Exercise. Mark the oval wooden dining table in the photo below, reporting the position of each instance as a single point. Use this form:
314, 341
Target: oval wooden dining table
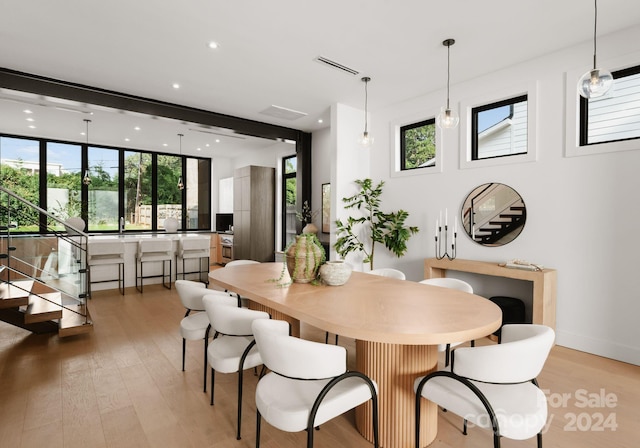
397, 325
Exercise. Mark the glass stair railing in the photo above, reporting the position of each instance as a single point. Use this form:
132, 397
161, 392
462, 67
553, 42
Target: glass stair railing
45, 272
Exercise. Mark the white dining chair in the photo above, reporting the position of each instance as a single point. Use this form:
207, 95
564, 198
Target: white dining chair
105, 253
309, 383
494, 386
453, 283
233, 348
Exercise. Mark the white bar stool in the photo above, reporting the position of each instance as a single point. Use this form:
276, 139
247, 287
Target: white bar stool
104, 253
154, 250
191, 248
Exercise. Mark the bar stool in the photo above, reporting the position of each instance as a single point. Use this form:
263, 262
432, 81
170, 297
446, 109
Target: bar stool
191, 248
104, 253
154, 250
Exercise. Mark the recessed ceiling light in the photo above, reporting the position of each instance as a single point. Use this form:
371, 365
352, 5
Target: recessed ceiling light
30, 119
198, 149
83, 133
320, 120
126, 139
164, 144
27, 111
213, 45
31, 126
217, 140
137, 128
207, 145
175, 85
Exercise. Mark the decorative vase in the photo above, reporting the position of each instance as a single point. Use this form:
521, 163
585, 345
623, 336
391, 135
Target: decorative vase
335, 273
304, 256
310, 228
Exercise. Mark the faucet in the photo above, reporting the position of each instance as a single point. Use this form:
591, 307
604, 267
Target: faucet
121, 224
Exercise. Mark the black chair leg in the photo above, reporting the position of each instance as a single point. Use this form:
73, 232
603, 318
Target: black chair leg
258, 421
184, 349
539, 438
206, 346
213, 374
239, 403
447, 355
464, 427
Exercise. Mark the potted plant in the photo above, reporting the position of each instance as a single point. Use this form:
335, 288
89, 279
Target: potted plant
306, 217
388, 229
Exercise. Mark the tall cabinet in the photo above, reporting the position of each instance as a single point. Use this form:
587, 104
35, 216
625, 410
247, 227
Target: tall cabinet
254, 213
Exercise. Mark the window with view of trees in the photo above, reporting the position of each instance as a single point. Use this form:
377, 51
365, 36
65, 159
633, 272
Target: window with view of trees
64, 179
139, 186
289, 187
20, 173
613, 117
418, 145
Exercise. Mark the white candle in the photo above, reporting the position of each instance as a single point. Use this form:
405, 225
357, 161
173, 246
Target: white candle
446, 217
436, 229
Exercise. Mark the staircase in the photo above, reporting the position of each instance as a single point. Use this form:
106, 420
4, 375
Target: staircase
43, 275
501, 225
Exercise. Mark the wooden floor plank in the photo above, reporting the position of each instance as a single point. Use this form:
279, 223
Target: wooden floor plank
121, 385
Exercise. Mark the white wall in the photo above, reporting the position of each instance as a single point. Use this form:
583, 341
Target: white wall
582, 212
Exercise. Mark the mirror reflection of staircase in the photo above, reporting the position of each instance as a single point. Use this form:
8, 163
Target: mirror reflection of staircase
43, 275
501, 225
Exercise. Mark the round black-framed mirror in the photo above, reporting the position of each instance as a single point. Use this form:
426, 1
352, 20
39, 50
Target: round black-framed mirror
493, 214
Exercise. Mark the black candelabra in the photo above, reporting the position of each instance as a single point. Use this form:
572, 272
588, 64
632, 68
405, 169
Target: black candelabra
440, 254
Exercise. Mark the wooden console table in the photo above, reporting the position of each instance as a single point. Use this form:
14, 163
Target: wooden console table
544, 282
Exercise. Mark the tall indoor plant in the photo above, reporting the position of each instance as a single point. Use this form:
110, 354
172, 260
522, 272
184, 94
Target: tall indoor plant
361, 233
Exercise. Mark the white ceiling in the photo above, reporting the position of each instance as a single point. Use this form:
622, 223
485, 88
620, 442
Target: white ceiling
266, 56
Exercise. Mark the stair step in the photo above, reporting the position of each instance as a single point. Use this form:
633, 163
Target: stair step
72, 323
15, 294
40, 310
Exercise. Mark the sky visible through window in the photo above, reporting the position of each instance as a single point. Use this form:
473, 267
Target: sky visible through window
491, 117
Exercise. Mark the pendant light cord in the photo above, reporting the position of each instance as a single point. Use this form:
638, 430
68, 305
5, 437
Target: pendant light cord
595, 31
366, 102
448, 72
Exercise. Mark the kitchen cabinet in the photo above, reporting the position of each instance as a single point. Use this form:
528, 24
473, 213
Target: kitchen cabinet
254, 213
213, 250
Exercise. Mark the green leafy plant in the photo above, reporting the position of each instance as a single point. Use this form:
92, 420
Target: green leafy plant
361, 233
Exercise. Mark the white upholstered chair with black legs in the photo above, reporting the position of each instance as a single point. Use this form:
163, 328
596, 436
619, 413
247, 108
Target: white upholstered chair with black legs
453, 283
195, 325
309, 383
494, 386
233, 348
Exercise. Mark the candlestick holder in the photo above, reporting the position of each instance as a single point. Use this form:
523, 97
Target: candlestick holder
439, 254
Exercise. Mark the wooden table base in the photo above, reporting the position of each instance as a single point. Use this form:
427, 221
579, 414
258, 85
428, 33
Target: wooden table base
394, 368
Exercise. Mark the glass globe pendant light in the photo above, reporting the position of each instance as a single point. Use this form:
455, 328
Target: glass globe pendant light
365, 140
180, 183
597, 82
87, 178
447, 118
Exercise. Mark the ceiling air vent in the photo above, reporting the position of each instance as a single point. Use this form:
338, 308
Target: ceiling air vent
283, 112
336, 65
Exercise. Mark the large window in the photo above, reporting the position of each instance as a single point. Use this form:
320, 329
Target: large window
614, 117
418, 145
103, 185
20, 173
289, 188
103, 211
64, 181
499, 129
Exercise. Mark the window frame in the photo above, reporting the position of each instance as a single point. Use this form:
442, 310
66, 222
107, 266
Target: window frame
531, 90
485, 107
572, 113
583, 131
395, 151
408, 127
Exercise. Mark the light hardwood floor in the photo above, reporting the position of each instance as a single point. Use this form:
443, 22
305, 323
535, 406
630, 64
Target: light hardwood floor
122, 386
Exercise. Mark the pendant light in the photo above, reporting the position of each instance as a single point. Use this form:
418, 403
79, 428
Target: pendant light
180, 183
597, 82
447, 118
87, 179
365, 140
